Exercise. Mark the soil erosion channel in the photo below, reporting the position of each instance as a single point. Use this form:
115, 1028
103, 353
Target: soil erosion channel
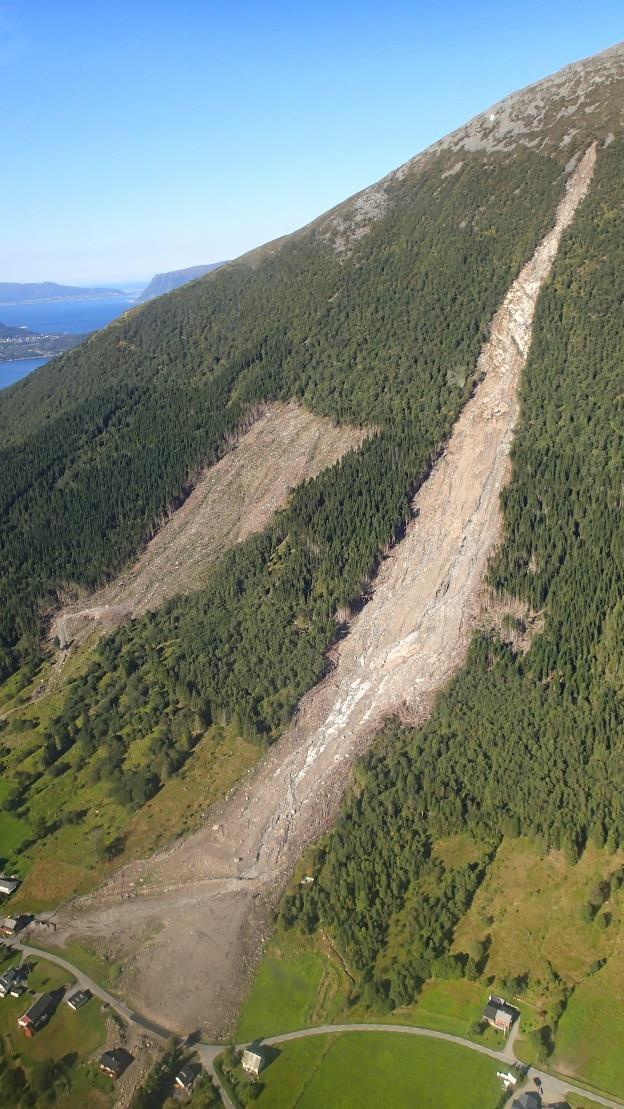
188, 923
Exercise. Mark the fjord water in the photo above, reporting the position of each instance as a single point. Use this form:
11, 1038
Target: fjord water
76, 316
13, 371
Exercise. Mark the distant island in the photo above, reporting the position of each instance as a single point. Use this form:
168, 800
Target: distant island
14, 292
19, 342
166, 282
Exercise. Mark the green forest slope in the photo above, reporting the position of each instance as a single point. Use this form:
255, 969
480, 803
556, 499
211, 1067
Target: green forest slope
520, 743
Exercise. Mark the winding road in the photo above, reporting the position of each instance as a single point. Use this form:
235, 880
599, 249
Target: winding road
554, 1088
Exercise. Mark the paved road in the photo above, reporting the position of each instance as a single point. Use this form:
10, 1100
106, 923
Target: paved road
554, 1088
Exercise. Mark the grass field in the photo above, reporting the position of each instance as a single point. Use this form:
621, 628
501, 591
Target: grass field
299, 983
71, 1037
590, 1037
372, 1070
529, 910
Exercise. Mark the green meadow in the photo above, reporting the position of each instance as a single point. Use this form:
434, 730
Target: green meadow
377, 1070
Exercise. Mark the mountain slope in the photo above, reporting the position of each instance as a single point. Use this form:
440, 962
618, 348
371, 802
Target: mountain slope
375, 314
401, 648
163, 283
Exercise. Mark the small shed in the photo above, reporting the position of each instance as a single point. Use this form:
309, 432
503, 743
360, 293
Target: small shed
38, 1014
253, 1061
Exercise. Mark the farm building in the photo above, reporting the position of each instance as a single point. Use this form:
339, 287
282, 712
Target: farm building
252, 1062
38, 1014
8, 885
499, 1014
114, 1062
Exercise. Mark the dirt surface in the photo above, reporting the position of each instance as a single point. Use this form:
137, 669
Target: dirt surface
195, 915
286, 445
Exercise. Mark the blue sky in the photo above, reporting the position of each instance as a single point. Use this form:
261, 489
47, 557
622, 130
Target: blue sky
141, 136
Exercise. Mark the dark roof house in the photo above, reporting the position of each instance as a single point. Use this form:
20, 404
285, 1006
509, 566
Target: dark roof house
115, 1061
186, 1076
528, 1100
38, 1014
8, 885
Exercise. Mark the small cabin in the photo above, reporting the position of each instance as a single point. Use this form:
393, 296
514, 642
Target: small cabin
38, 1014
8, 885
252, 1062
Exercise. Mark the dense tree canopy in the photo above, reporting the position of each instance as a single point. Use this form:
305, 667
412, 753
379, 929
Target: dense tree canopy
532, 743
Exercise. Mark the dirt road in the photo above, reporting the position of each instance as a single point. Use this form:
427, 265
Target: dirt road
189, 923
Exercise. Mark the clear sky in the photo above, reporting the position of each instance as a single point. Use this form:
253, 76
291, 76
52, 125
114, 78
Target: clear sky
149, 135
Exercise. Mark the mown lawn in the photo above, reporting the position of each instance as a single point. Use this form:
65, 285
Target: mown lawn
376, 1070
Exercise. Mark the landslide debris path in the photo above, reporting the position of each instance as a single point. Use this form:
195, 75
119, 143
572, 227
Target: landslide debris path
191, 920
237, 496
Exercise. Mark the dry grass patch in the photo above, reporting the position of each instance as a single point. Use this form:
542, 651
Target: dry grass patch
457, 851
529, 909
220, 759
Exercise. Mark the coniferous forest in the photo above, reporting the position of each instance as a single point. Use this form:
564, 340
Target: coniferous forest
520, 743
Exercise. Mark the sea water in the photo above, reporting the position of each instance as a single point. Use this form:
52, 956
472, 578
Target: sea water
54, 317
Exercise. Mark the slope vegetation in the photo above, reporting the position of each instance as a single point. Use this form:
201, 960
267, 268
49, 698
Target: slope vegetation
520, 743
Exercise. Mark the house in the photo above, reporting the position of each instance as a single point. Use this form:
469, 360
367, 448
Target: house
186, 1076
114, 1062
38, 1014
79, 998
12, 979
529, 1100
252, 1062
499, 1014
8, 885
